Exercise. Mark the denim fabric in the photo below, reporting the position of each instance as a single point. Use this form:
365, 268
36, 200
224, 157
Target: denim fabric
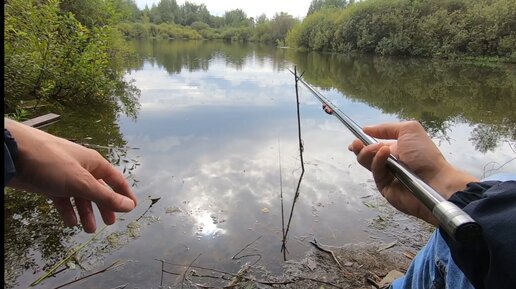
433, 268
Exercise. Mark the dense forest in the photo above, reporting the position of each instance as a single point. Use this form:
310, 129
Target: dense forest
66, 51
168, 20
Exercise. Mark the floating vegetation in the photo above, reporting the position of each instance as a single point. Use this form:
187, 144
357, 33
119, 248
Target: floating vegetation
133, 229
87, 257
172, 210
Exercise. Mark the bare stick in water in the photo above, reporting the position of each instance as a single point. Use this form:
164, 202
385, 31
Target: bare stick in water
301, 149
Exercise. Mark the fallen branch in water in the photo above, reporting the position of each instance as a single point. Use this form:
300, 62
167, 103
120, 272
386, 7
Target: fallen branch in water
183, 275
228, 273
114, 265
63, 261
236, 276
248, 255
153, 201
318, 246
301, 149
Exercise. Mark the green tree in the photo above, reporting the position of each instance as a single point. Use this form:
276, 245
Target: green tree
90, 13
168, 11
236, 18
51, 56
317, 5
280, 24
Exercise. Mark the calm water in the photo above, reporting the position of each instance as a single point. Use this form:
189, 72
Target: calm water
216, 120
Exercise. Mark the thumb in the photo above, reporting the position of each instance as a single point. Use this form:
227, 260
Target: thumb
384, 131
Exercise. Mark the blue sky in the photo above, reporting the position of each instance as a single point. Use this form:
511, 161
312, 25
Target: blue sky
296, 8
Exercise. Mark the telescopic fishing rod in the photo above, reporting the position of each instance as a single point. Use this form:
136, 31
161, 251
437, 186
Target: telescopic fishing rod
455, 222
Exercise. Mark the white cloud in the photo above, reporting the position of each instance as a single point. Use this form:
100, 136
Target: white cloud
296, 8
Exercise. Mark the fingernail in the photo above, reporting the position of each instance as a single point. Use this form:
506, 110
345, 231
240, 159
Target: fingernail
128, 204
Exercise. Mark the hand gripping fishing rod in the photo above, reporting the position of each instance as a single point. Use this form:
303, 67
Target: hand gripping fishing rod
455, 222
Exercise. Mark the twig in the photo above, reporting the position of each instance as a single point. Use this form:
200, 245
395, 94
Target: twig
301, 149
493, 166
231, 274
319, 246
263, 282
281, 200
63, 261
162, 269
246, 246
248, 255
120, 286
116, 263
187, 269
195, 274
153, 201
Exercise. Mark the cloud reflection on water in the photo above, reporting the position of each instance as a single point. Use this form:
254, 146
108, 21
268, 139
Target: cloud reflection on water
209, 144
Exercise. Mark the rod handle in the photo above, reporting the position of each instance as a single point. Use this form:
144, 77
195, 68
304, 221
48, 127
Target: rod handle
456, 223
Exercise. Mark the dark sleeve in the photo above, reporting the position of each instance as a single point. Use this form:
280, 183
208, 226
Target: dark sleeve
490, 262
10, 155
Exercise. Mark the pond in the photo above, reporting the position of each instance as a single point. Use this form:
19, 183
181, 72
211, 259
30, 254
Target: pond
214, 146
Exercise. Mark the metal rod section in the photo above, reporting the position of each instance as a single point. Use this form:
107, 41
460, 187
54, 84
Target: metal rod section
455, 222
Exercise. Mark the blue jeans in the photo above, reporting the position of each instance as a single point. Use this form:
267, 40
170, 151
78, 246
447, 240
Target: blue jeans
433, 268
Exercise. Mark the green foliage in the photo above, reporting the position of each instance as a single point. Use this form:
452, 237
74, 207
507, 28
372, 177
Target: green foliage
274, 30
101, 12
167, 20
317, 5
316, 32
52, 57
19, 114
237, 34
280, 24
161, 31
430, 28
236, 18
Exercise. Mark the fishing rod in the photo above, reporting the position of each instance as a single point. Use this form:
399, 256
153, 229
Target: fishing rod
455, 222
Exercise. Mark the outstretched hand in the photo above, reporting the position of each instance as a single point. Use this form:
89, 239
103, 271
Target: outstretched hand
410, 144
62, 170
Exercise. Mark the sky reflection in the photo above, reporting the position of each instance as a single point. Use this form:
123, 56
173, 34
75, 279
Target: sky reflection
211, 143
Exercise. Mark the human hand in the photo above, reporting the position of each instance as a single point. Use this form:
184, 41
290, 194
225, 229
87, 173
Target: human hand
327, 109
62, 170
410, 144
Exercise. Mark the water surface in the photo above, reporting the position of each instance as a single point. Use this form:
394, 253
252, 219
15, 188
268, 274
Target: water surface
215, 123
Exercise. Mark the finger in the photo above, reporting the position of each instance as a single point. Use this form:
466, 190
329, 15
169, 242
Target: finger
381, 174
366, 155
66, 212
356, 146
86, 214
108, 216
105, 171
87, 187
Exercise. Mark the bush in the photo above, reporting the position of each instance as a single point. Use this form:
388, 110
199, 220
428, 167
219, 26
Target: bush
52, 57
435, 28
